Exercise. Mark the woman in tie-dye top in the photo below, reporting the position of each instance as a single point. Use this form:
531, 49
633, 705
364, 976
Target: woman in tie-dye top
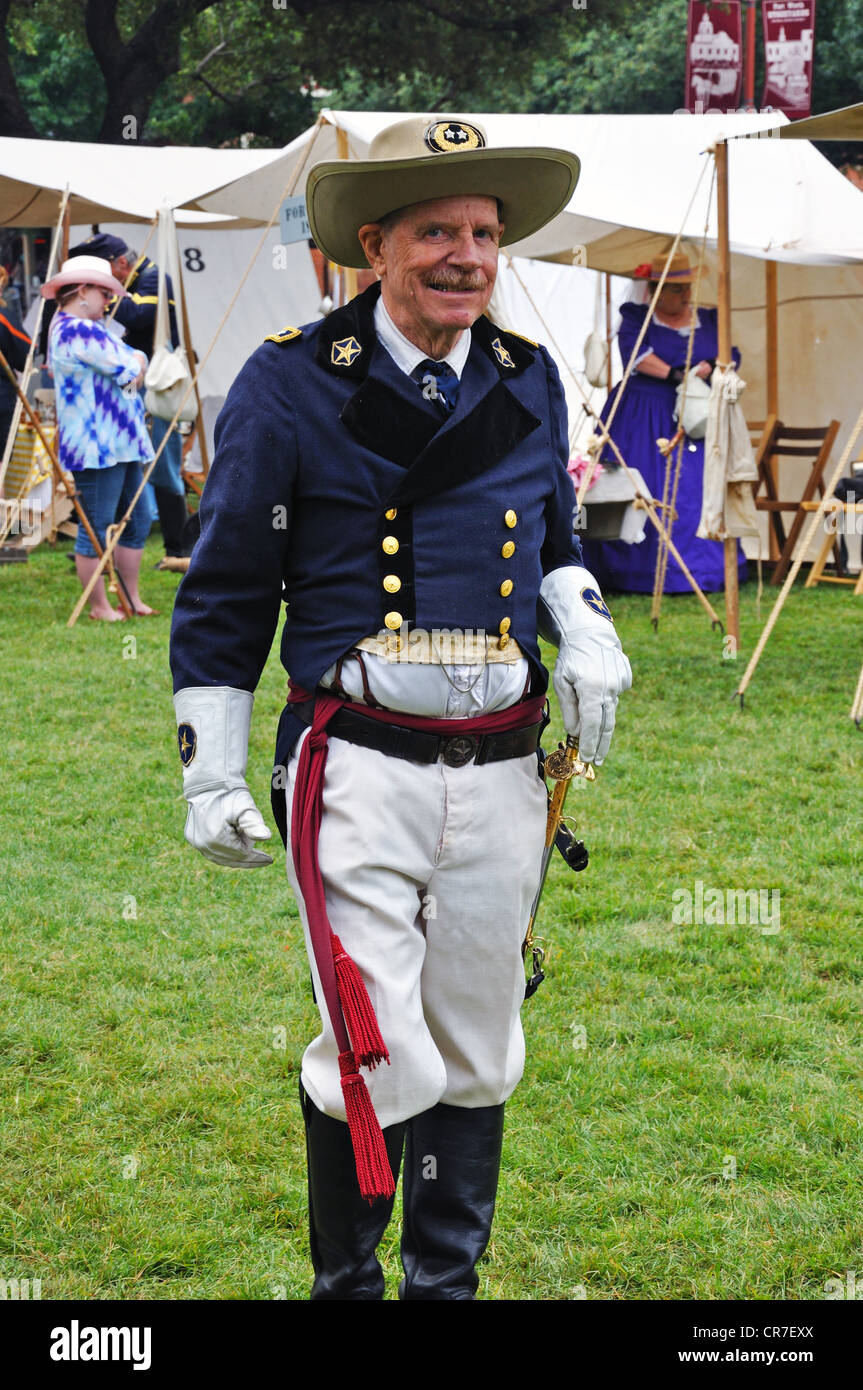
103, 438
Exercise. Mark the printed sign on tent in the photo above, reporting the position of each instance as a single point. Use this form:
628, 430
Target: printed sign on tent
789, 31
293, 220
714, 56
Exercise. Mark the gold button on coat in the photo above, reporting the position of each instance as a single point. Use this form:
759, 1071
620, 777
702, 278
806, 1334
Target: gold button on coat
389, 545
510, 518
503, 641
392, 583
505, 624
507, 549
391, 514
506, 588
393, 620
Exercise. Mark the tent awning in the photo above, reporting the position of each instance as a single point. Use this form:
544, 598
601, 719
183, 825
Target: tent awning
638, 177
112, 182
844, 124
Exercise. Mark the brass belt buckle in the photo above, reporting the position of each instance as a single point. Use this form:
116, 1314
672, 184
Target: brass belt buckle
459, 750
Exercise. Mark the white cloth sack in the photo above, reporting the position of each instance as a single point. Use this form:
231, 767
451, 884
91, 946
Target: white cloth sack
690, 411
728, 501
168, 377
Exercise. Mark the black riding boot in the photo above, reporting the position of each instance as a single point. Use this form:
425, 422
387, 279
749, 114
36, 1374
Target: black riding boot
452, 1163
344, 1229
172, 518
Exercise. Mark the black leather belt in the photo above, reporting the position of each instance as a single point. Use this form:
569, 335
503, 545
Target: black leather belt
417, 746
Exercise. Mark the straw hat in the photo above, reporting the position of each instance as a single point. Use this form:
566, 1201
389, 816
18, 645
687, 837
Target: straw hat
680, 272
83, 270
434, 157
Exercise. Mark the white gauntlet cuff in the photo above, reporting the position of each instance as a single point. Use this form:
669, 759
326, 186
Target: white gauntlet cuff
213, 735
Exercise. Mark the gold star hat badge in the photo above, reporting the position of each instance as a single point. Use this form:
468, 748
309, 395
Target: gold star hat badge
428, 157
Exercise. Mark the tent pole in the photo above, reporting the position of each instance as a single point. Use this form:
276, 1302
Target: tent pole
187, 335
28, 270
608, 378
350, 275
67, 218
26, 372
771, 277
732, 595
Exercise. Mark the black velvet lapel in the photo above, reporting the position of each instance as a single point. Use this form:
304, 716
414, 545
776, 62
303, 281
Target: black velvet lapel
380, 418
436, 453
488, 422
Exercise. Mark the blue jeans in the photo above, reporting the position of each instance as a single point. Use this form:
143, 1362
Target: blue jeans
105, 494
167, 471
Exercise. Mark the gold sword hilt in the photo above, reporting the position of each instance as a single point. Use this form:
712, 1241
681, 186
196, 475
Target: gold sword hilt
561, 766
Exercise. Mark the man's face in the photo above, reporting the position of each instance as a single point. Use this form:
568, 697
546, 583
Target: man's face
120, 267
437, 262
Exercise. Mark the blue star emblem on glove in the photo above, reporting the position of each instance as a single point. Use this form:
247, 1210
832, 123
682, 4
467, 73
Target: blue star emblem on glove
596, 603
187, 741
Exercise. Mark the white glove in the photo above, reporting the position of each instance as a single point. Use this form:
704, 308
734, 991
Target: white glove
591, 669
213, 733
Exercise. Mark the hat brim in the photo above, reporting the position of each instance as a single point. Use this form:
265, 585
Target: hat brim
533, 186
75, 277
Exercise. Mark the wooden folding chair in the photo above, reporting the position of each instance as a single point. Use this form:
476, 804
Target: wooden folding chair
784, 441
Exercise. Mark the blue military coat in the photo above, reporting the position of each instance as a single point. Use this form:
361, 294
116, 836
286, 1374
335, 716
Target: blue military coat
340, 489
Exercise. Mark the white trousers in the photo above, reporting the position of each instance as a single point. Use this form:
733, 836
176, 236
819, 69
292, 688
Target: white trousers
429, 874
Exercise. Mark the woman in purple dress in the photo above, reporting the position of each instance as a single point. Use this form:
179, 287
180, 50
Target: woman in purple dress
645, 414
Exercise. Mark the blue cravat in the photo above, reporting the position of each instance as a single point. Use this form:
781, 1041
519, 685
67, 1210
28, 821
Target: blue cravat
438, 381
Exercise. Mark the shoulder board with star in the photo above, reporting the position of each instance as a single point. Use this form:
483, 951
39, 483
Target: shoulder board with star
286, 335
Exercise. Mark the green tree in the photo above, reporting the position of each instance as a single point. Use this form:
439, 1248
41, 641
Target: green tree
245, 71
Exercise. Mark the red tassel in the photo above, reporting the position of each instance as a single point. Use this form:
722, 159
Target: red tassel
365, 1035
374, 1174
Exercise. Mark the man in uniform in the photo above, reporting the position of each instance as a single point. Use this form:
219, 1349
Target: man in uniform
400, 469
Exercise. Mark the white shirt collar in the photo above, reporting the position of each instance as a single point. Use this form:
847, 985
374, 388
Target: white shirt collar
406, 354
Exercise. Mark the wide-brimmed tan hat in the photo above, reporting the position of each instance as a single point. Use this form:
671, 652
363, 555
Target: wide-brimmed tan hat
83, 270
434, 157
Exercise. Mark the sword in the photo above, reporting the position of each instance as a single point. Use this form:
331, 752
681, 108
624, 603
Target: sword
561, 765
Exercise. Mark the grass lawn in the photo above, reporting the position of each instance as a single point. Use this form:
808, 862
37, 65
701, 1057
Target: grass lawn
689, 1125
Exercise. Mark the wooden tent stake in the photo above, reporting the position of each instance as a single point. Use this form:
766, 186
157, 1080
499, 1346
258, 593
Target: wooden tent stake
857, 703
720, 154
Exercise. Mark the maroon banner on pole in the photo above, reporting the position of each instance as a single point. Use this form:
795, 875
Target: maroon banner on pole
789, 33
714, 56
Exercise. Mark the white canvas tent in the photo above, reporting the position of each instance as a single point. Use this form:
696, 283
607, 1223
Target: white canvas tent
788, 205
120, 187
125, 182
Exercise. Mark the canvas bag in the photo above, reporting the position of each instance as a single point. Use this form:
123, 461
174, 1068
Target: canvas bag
596, 345
693, 394
168, 377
